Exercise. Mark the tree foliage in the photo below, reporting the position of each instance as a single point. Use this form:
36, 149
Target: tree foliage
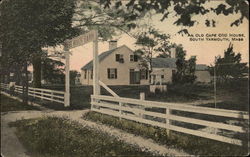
151, 42
185, 10
73, 76
52, 71
185, 68
229, 66
29, 25
109, 21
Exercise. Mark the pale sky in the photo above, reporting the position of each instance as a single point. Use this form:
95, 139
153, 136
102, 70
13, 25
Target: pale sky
204, 50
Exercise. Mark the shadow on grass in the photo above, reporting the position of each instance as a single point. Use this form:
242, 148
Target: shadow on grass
9, 104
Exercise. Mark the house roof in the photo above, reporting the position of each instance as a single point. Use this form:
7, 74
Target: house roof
101, 57
156, 62
164, 62
201, 67
171, 63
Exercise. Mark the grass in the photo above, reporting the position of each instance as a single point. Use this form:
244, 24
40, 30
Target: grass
60, 137
80, 95
191, 144
9, 104
234, 97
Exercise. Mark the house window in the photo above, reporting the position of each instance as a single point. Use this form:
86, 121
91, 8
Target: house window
85, 74
144, 74
162, 76
133, 58
119, 58
112, 73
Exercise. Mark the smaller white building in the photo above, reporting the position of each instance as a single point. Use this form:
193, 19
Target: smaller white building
164, 68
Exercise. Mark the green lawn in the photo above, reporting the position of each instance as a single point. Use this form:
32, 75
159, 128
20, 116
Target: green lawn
60, 137
231, 97
234, 97
191, 144
9, 104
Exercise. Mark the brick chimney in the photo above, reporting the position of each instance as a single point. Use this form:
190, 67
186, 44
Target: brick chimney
173, 52
112, 44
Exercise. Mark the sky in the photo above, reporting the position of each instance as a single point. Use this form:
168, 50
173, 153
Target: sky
205, 51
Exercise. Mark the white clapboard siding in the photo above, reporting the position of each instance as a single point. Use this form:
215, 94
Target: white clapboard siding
113, 108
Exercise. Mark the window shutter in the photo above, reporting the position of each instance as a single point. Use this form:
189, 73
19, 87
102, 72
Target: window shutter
135, 58
117, 57
108, 73
116, 73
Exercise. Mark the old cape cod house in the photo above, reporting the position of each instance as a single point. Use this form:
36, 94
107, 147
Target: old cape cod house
119, 66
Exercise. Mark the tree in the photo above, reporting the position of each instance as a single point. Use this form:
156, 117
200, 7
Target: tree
73, 75
229, 67
29, 25
185, 68
52, 71
109, 21
151, 42
185, 10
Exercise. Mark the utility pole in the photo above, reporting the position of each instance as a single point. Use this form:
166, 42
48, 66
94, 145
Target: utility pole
215, 101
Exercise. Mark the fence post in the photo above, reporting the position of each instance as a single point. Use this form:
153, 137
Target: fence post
41, 95
91, 105
34, 94
167, 119
142, 97
52, 96
120, 110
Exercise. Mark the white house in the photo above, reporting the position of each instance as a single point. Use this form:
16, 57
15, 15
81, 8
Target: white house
164, 68
120, 66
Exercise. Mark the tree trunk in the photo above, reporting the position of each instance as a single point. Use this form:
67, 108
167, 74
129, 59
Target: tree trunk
25, 84
18, 75
36, 71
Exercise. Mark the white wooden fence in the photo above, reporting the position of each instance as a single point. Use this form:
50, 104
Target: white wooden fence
44, 94
138, 110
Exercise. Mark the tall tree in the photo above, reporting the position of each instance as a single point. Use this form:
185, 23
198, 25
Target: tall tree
29, 25
185, 68
151, 42
52, 70
229, 66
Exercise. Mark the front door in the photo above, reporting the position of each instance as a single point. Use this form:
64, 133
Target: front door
134, 76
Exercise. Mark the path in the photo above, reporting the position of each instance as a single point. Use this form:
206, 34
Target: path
10, 142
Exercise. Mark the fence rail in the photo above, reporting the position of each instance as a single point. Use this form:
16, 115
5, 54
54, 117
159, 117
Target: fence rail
161, 115
46, 94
